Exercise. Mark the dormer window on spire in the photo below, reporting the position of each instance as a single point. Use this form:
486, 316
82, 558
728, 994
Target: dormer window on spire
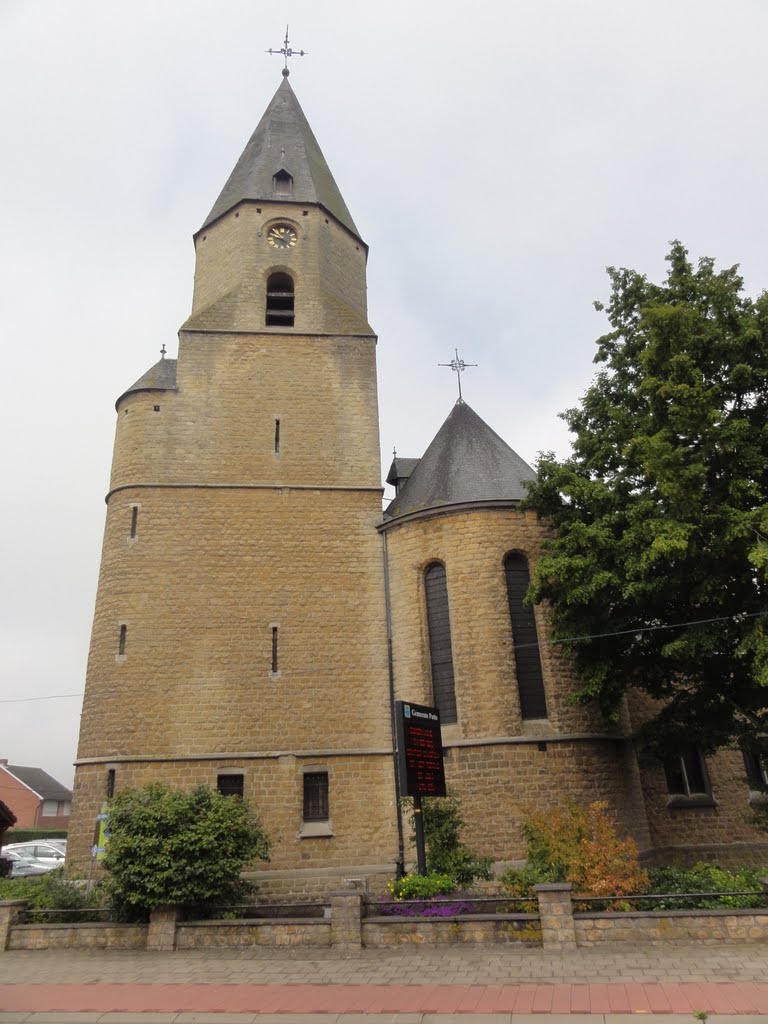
283, 182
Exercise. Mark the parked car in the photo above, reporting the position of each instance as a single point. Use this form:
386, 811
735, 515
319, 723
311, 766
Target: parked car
49, 855
24, 865
60, 844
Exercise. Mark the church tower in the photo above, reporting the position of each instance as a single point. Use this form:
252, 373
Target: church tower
239, 636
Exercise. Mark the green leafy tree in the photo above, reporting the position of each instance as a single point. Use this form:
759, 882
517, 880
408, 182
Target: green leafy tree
658, 563
169, 846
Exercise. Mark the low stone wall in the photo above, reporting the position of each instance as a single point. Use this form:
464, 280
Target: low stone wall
264, 931
648, 926
89, 935
490, 928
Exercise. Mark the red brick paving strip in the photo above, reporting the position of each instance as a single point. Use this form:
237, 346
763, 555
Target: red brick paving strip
631, 997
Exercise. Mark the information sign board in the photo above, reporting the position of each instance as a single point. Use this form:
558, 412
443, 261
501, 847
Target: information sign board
419, 750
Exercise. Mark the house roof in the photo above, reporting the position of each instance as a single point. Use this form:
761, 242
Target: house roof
160, 377
283, 141
40, 782
466, 463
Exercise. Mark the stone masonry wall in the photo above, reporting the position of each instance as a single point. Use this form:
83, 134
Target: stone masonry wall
500, 766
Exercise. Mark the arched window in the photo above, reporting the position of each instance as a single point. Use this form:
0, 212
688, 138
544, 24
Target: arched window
280, 300
440, 652
530, 683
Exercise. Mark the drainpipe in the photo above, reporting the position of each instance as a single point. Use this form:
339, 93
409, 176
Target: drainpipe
391, 668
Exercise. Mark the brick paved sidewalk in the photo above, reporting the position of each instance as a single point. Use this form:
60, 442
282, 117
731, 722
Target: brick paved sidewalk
256, 982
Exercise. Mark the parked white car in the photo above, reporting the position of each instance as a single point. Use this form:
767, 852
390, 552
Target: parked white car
50, 856
23, 865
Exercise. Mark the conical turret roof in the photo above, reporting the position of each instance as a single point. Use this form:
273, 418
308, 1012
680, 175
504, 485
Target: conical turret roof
283, 141
466, 463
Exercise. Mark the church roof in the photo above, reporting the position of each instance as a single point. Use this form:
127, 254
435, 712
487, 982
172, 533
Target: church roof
283, 141
401, 469
160, 377
466, 463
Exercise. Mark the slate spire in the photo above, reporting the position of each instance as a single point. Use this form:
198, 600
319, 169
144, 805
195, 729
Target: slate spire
283, 162
467, 463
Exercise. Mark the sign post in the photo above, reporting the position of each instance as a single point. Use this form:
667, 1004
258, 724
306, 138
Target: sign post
420, 768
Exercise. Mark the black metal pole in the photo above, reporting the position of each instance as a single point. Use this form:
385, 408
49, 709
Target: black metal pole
418, 825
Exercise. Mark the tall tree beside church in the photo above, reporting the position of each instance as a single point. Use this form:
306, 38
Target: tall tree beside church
659, 565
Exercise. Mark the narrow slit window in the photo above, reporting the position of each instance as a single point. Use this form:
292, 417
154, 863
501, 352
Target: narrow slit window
134, 520
277, 437
525, 641
274, 649
280, 300
440, 648
230, 785
123, 637
316, 796
110, 783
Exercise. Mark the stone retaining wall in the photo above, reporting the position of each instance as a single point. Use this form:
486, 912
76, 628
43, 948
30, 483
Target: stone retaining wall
264, 931
491, 928
707, 926
88, 935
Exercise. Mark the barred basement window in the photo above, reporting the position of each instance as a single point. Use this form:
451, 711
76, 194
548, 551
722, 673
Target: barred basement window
280, 300
530, 682
316, 796
686, 775
110, 783
121, 642
440, 650
230, 785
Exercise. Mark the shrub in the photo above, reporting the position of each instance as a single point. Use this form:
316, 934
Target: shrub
52, 892
173, 847
705, 878
579, 845
446, 854
421, 887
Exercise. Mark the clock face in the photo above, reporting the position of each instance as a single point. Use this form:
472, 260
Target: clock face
281, 236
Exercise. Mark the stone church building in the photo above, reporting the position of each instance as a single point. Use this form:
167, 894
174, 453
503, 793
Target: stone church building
257, 613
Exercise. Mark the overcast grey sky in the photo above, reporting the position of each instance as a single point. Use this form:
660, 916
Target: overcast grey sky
496, 157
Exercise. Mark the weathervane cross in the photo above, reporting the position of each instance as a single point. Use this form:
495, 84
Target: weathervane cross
458, 366
287, 52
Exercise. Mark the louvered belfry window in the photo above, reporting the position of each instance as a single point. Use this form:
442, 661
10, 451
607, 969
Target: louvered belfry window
440, 651
530, 682
280, 300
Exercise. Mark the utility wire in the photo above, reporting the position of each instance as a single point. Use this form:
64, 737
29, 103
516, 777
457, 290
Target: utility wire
738, 617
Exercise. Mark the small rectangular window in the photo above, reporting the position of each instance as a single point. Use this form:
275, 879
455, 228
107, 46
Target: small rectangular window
110, 783
274, 649
50, 808
686, 775
134, 519
123, 636
316, 796
230, 785
277, 437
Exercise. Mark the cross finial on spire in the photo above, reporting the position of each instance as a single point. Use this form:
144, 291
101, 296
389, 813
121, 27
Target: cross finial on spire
458, 366
287, 52
162, 351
